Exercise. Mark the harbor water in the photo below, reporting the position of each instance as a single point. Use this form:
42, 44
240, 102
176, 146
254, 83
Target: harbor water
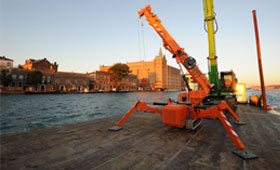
22, 112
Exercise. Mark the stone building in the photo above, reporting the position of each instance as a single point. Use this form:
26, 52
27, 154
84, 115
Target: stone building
6, 63
103, 82
69, 81
51, 81
129, 83
40, 65
18, 82
54, 81
174, 79
156, 73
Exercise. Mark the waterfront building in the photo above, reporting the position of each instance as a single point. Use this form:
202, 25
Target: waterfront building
6, 63
51, 79
69, 81
54, 81
18, 81
102, 81
155, 74
19, 77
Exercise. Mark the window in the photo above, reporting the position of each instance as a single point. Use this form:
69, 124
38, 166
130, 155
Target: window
49, 79
20, 77
14, 76
228, 77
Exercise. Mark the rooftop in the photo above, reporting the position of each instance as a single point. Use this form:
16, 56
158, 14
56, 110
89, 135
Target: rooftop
4, 58
70, 74
40, 60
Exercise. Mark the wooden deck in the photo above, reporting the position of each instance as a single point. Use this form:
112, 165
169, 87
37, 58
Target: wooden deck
144, 143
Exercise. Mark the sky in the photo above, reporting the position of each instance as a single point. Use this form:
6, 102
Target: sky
81, 35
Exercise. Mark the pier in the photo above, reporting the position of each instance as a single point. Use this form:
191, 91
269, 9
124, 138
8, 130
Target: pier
144, 143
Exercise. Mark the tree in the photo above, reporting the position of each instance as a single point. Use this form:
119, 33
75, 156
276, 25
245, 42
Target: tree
20, 66
6, 78
119, 71
34, 78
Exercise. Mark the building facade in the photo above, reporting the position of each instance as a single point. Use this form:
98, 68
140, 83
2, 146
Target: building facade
103, 82
51, 79
174, 79
156, 73
6, 63
68, 81
18, 82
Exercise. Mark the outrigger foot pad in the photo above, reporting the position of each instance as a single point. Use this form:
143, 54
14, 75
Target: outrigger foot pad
239, 123
245, 154
192, 124
115, 128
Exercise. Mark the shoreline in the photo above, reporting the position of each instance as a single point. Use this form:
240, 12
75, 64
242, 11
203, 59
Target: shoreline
92, 92
76, 92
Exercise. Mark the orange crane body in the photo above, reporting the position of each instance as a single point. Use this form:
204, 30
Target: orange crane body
189, 108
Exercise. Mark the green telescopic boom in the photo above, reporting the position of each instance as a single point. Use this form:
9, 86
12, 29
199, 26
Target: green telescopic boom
209, 19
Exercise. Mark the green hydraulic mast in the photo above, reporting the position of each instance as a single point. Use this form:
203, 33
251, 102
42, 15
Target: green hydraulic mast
209, 19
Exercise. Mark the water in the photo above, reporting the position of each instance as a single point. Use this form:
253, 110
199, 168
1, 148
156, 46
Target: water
273, 97
20, 112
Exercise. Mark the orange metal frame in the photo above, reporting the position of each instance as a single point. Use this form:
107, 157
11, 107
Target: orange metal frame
212, 112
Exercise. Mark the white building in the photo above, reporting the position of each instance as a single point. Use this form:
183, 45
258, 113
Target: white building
6, 63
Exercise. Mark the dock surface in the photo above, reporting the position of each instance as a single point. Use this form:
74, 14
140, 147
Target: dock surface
144, 143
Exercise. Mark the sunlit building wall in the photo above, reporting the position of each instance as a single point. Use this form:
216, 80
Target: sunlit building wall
157, 72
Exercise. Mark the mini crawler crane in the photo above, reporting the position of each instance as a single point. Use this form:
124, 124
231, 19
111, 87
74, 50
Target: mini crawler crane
190, 108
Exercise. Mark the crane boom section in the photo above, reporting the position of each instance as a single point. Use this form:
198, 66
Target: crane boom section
169, 43
178, 52
209, 18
